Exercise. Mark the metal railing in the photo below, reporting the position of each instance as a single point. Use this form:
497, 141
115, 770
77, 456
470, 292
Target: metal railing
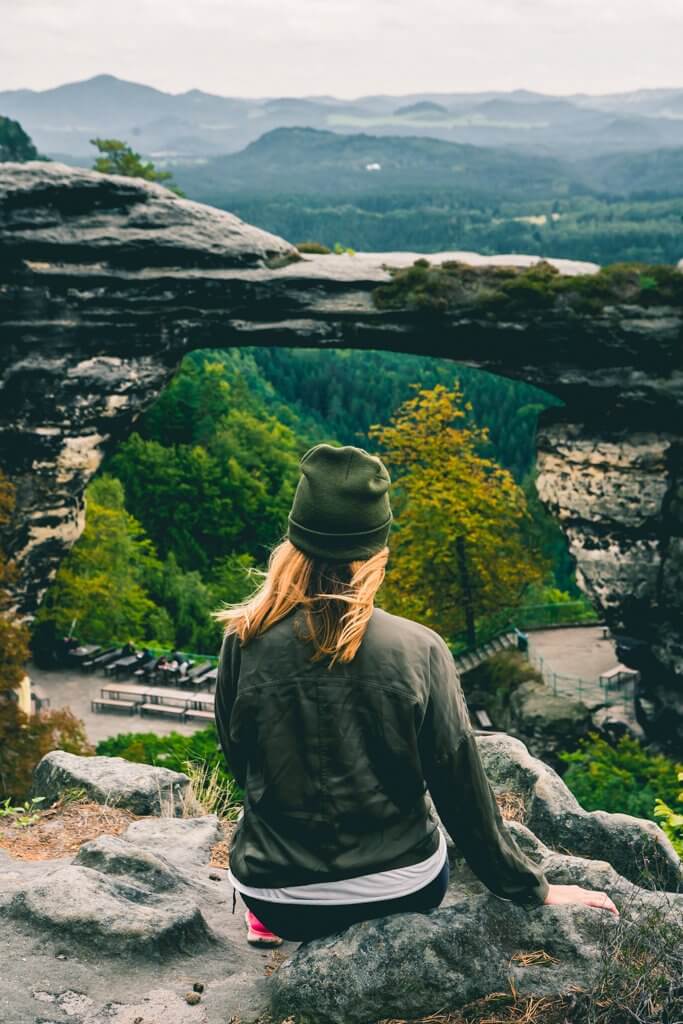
621, 691
532, 616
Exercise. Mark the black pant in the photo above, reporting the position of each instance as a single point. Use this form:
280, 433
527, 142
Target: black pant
301, 923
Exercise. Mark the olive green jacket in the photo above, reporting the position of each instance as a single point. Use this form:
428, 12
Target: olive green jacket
336, 762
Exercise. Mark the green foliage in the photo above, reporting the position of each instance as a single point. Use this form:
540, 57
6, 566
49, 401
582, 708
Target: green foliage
621, 778
15, 144
188, 601
221, 467
494, 290
603, 228
103, 583
172, 751
671, 819
21, 815
457, 549
118, 158
341, 250
328, 391
314, 248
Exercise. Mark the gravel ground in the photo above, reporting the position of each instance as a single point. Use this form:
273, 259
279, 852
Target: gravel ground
575, 651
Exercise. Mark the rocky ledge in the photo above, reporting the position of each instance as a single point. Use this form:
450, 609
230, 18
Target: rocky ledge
138, 927
106, 282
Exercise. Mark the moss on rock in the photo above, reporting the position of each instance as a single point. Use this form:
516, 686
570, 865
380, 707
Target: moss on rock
494, 290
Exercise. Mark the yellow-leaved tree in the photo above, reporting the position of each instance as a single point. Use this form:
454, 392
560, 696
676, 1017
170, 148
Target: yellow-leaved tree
458, 553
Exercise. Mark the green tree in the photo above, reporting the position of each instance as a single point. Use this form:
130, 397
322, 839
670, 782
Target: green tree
118, 158
15, 144
189, 603
229, 489
671, 818
103, 583
457, 548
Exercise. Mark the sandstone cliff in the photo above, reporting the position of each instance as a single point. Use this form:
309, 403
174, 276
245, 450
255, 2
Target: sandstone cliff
106, 282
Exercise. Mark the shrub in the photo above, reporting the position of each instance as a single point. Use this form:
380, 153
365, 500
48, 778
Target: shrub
173, 751
315, 248
494, 290
492, 683
671, 820
623, 777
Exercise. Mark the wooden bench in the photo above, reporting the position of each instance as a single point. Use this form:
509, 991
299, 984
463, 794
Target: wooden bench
161, 709
109, 704
199, 713
617, 676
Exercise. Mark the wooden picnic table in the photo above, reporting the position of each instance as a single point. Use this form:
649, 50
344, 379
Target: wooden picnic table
164, 695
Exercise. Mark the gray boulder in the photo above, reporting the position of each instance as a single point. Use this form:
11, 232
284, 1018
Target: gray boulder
410, 965
186, 842
124, 929
547, 723
115, 897
122, 933
636, 847
142, 788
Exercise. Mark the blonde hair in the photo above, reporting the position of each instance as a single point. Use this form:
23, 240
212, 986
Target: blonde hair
337, 600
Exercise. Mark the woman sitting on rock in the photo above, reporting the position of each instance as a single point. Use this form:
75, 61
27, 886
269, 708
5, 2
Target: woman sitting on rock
336, 717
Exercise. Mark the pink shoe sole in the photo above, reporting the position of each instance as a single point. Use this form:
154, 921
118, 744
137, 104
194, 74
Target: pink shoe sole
260, 936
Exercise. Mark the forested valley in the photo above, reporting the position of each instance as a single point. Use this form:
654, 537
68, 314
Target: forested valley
219, 451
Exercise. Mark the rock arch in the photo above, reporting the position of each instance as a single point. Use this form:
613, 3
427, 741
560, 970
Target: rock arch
106, 282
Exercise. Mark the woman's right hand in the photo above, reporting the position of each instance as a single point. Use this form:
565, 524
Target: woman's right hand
558, 894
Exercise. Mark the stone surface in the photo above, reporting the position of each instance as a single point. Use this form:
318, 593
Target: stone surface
555, 816
107, 282
411, 965
186, 843
142, 788
549, 723
121, 932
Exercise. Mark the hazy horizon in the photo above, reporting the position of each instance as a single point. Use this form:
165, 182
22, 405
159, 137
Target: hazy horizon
308, 48
329, 95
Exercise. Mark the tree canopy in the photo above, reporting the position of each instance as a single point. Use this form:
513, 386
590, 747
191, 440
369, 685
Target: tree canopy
458, 550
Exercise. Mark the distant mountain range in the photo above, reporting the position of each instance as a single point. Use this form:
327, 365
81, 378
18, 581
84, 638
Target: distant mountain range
307, 162
311, 162
195, 125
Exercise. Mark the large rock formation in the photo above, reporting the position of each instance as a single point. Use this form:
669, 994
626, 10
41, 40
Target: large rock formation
113, 781
128, 927
107, 282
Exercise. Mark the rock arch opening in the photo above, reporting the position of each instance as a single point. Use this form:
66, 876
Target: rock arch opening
108, 282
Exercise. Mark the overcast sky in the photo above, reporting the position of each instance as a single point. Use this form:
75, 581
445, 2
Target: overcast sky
345, 47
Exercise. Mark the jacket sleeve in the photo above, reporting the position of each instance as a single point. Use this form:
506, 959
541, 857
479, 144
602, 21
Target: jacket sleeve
226, 693
462, 793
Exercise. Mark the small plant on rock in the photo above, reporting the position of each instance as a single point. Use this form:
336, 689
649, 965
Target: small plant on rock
671, 820
21, 815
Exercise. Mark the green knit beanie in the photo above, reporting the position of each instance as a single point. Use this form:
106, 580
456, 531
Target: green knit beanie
341, 509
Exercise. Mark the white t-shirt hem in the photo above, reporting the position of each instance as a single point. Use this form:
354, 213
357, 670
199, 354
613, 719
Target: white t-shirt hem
382, 885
